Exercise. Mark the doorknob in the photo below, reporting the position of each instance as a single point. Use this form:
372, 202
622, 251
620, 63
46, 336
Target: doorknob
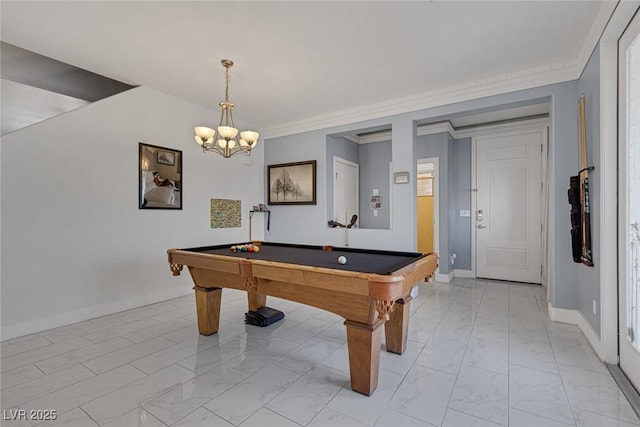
482, 226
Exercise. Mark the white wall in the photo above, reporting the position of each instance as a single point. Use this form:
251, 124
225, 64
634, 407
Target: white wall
74, 243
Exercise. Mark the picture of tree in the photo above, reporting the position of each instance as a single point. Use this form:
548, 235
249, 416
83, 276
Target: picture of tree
292, 183
286, 188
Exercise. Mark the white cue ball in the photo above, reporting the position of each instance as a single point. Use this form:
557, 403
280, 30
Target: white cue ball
342, 260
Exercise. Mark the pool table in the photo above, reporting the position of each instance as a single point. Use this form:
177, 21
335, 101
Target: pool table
371, 288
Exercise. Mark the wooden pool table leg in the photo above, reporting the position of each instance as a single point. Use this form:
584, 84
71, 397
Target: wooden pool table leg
256, 300
208, 309
395, 330
363, 342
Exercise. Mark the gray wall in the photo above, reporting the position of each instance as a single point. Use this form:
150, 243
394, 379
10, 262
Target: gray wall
307, 224
437, 145
589, 277
373, 159
345, 149
451, 177
455, 194
374, 173
460, 199
563, 161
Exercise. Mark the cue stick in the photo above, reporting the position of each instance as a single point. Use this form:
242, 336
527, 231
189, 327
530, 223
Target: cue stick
346, 229
585, 211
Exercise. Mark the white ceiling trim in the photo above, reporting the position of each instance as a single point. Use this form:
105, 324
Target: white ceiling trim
599, 24
540, 76
442, 127
527, 79
486, 130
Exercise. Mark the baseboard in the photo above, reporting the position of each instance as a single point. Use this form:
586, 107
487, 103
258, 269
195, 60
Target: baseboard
465, 274
68, 318
442, 278
445, 278
574, 317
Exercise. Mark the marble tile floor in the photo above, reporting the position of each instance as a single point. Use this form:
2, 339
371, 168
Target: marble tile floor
480, 353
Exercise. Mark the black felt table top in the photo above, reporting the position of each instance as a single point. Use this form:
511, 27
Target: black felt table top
358, 260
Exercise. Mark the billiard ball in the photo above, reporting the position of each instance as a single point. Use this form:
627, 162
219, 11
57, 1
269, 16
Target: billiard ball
256, 248
342, 260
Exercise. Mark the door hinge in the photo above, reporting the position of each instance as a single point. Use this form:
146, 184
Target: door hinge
541, 228
541, 148
541, 269
631, 334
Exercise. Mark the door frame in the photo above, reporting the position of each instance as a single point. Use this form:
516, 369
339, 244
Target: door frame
607, 346
436, 204
501, 130
631, 353
337, 159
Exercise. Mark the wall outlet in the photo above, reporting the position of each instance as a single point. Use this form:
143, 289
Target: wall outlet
465, 213
595, 311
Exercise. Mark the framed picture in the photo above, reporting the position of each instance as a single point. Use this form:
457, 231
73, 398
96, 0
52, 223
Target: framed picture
292, 183
159, 177
166, 158
401, 177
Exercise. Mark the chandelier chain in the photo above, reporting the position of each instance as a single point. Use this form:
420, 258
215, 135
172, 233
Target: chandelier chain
226, 91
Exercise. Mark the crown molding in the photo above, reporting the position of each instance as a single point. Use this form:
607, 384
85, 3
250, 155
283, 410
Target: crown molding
595, 33
377, 137
539, 76
434, 128
501, 128
353, 138
442, 127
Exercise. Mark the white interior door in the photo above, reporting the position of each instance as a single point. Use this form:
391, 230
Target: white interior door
345, 190
629, 201
508, 206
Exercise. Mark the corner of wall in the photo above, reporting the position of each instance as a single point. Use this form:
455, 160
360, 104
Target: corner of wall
575, 317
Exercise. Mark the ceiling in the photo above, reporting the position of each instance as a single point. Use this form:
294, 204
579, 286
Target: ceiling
298, 61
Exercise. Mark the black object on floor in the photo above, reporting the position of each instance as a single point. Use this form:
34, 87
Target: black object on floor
264, 316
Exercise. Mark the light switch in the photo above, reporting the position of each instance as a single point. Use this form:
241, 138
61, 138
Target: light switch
465, 213
376, 192
375, 212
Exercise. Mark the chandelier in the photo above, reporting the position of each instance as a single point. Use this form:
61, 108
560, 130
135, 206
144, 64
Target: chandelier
227, 144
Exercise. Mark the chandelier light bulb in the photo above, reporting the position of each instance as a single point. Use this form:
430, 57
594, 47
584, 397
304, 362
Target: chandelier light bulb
227, 132
249, 136
204, 135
